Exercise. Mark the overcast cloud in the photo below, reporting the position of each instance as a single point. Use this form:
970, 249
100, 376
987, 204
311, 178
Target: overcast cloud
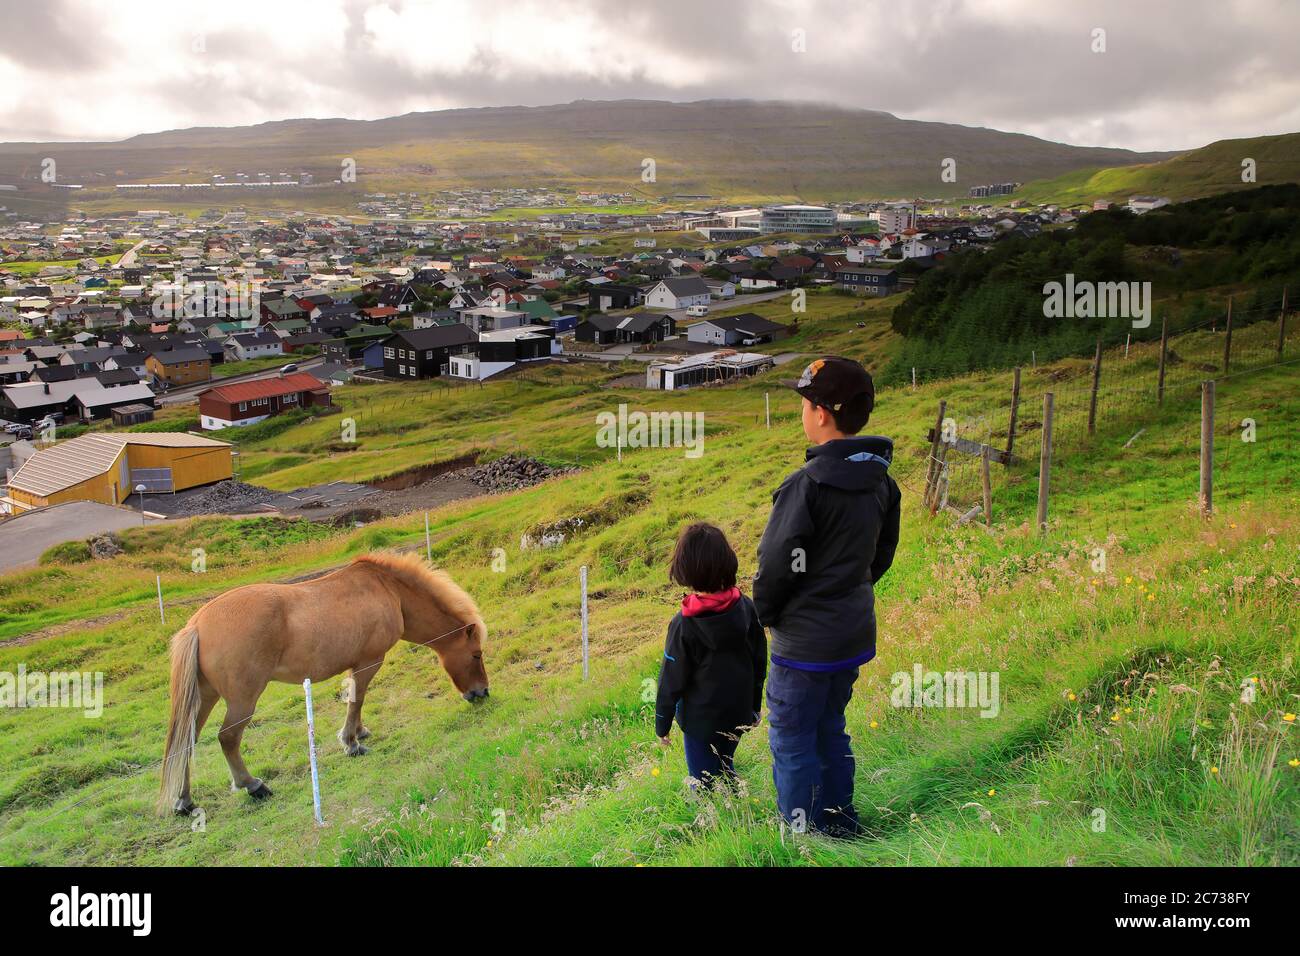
1175, 74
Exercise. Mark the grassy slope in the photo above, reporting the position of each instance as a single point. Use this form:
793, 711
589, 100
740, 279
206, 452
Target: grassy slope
1215, 168
1160, 641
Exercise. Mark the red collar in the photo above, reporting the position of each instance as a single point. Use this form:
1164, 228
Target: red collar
696, 604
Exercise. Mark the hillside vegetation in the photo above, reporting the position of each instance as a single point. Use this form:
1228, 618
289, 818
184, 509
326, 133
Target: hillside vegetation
985, 308
1212, 169
1122, 688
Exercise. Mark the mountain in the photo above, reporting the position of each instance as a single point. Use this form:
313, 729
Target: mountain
1212, 169
738, 150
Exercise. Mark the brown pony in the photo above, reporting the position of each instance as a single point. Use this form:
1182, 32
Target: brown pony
346, 620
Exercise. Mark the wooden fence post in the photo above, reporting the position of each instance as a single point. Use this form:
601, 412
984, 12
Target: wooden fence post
988, 488
1015, 407
1281, 325
1096, 382
1227, 339
932, 461
1045, 462
1207, 448
1164, 349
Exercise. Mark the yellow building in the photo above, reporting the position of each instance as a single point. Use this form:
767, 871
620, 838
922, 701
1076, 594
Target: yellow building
106, 468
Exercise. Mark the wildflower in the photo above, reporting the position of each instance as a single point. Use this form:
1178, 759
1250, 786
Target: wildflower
1071, 696
1151, 597
1294, 762
654, 771
874, 725
1128, 710
1114, 718
1214, 770
1128, 579
993, 793
1289, 718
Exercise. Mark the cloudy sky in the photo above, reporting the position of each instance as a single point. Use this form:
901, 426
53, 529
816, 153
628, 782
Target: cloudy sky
1174, 73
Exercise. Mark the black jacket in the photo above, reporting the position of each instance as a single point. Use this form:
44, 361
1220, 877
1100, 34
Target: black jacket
714, 666
832, 532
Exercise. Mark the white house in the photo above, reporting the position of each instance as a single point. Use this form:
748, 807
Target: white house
680, 292
247, 345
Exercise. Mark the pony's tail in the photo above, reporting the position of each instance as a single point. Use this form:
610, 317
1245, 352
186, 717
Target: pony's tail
185, 712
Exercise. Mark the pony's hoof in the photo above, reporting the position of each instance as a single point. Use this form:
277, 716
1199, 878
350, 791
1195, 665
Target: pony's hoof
183, 808
362, 733
260, 792
357, 750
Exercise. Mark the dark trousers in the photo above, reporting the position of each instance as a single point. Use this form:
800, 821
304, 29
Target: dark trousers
812, 756
711, 758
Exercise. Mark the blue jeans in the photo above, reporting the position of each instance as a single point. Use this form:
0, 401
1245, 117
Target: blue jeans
812, 756
711, 758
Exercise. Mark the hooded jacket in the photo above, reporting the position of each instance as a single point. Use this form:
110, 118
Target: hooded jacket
711, 677
832, 533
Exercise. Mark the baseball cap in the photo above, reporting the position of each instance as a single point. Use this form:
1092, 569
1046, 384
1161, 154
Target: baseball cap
833, 382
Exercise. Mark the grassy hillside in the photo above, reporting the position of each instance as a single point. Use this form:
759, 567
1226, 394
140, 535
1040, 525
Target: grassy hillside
803, 151
1121, 688
1212, 169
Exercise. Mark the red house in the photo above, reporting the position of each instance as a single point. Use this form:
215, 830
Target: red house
243, 403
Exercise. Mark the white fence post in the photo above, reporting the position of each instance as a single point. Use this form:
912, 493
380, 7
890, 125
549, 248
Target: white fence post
767, 407
311, 752
158, 581
428, 542
583, 577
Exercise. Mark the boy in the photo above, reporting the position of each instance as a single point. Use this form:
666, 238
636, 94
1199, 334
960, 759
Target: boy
831, 535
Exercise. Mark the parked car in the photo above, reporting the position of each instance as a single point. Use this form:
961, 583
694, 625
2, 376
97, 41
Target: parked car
286, 369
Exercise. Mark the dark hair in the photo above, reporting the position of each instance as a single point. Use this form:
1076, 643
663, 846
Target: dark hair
853, 414
703, 560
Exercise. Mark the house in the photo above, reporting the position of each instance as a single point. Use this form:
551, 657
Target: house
1144, 204
680, 292
90, 404
244, 403
32, 401
412, 354
498, 351
867, 280
247, 345
706, 368
607, 296
182, 366
744, 329
642, 327
492, 319
106, 467
720, 288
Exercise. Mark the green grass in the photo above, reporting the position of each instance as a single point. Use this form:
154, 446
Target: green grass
556, 770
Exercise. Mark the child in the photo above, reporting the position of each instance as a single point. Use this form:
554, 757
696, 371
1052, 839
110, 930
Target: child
715, 657
831, 535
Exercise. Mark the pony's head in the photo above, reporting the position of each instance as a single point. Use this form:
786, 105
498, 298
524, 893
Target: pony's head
437, 613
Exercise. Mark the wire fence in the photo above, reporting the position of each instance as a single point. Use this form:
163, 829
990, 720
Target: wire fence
1099, 422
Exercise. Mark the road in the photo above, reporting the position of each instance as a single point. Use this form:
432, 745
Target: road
188, 393
25, 538
128, 257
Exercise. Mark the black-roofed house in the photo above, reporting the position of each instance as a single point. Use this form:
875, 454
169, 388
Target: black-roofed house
744, 329
642, 327
412, 354
680, 292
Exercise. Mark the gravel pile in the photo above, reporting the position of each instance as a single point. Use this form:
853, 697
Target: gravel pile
512, 472
223, 498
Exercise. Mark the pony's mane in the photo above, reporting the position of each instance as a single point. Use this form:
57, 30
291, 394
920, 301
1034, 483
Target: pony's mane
411, 569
